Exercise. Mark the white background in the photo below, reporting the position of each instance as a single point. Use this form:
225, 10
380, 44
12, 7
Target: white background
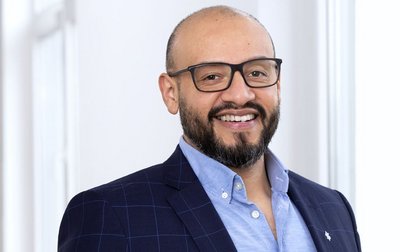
378, 124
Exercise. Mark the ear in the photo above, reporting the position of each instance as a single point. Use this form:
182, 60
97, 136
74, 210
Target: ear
170, 93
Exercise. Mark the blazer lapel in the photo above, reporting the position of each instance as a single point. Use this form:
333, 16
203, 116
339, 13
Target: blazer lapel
311, 214
193, 206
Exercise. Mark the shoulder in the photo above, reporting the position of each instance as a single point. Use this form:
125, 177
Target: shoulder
95, 218
307, 193
136, 185
304, 185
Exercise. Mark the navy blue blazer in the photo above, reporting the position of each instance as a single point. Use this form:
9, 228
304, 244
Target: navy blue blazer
165, 208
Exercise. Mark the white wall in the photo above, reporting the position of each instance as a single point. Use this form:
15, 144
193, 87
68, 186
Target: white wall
378, 124
123, 124
17, 163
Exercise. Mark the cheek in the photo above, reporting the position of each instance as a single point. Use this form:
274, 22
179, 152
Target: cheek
200, 103
269, 99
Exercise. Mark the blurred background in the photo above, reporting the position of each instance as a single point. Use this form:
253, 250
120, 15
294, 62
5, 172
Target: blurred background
80, 104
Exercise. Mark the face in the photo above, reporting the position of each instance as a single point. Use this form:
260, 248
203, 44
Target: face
233, 126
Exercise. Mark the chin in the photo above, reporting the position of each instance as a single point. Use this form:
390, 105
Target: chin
239, 138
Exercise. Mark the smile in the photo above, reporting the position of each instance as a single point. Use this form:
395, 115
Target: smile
235, 118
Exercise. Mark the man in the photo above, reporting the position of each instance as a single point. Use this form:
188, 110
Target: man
222, 189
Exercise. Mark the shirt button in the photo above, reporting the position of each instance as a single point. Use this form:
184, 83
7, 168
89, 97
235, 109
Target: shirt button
238, 186
224, 195
255, 214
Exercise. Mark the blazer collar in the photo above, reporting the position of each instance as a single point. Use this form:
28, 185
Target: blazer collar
194, 207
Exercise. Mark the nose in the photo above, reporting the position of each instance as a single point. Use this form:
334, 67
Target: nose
238, 92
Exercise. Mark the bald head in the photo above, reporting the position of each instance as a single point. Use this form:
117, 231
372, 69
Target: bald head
208, 18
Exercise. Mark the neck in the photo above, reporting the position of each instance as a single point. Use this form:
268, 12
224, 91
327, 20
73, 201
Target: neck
256, 181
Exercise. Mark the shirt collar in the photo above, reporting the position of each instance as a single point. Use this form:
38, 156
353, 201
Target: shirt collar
217, 178
277, 173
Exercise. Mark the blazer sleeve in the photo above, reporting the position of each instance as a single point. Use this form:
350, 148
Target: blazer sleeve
90, 224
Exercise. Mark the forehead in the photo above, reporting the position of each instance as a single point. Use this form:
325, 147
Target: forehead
232, 39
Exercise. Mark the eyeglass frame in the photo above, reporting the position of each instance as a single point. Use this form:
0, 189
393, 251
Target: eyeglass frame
234, 68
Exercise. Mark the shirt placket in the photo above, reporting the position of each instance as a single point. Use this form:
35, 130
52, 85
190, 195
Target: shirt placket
280, 206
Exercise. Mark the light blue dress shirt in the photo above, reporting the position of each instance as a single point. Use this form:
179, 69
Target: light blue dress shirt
245, 223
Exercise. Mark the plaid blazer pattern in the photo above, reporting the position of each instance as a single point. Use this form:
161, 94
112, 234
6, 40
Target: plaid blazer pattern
165, 208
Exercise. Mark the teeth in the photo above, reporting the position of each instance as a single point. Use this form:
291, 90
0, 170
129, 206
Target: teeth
232, 118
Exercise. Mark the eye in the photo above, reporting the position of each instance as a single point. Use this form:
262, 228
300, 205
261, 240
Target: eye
257, 74
211, 77
211, 73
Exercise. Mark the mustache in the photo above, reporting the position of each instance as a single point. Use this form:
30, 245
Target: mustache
215, 110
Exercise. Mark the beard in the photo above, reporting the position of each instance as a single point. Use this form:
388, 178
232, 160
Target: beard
240, 155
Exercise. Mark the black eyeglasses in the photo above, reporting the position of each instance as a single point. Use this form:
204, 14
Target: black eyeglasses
217, 76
